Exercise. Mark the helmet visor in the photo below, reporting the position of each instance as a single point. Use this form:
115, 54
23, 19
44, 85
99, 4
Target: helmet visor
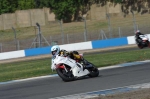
53, 52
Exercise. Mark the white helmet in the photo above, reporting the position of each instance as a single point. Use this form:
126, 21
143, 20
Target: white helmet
137, 31
55, 50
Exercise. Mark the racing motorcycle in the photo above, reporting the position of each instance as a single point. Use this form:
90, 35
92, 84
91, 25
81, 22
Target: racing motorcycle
69, 69
143, 41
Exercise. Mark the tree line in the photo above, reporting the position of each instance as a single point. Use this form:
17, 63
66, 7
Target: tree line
63, 9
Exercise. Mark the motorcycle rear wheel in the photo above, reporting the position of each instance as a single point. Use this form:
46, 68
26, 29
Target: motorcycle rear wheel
94, 72
149, 44
140, 46
64, 75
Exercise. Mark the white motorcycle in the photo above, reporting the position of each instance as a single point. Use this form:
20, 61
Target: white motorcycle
143, 42
69, 69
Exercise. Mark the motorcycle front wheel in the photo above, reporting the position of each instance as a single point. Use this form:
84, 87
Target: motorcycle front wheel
66, 76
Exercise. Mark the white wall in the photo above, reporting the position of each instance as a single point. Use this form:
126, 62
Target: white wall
77, 46
131, 40
13, 54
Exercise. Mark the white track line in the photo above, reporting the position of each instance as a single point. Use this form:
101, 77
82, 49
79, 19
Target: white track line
105, 92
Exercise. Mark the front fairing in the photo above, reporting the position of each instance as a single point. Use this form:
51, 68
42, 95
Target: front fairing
59, 59
144, 37
64, 60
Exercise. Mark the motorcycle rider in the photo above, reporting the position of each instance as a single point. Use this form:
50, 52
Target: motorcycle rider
137, 38
55, 50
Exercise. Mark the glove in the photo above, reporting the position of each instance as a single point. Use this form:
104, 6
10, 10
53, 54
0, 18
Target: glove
66, 53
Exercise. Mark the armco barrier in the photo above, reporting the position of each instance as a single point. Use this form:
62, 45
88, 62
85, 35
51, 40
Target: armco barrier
13, 54
69, 47
131, 40
37, 51
75, 46
109, 43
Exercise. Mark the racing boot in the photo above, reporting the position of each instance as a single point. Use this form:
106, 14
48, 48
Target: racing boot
84, 63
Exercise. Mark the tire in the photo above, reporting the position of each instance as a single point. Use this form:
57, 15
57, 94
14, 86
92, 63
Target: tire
140, 46
65, 76
94, 72
149, 44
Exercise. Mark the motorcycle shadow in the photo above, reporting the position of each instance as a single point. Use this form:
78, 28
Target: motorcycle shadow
85, 77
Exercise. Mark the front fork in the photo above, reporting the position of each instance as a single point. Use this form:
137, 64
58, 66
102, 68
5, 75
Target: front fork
65, 68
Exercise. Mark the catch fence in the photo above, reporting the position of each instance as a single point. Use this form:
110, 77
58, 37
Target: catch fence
83, 33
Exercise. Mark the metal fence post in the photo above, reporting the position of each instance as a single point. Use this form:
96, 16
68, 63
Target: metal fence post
120, 32
39, 34
85, 29
134, 21
103, 34
1, 47
62, 32
137, 26
99, 35
15, 38
68, 38
18, 44
51, 40
39, 37
109, 25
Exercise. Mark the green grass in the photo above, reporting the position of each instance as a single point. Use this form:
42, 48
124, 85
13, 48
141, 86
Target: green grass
41, 67
118, 57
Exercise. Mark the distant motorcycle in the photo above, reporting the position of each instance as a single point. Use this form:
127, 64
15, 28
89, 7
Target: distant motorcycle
143, 41
69, 69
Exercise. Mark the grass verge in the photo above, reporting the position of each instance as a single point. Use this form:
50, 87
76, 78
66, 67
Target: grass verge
41, 67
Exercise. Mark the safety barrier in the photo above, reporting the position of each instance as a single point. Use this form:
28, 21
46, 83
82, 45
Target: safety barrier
75, 46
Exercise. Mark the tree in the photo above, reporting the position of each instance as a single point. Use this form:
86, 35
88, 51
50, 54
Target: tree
134, 5
42, 3
7, 6
64, 9
25, 4
126, 5
10, 6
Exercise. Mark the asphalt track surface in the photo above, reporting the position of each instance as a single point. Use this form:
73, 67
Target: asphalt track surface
51, 87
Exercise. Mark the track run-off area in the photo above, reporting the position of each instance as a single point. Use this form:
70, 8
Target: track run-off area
112, 79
